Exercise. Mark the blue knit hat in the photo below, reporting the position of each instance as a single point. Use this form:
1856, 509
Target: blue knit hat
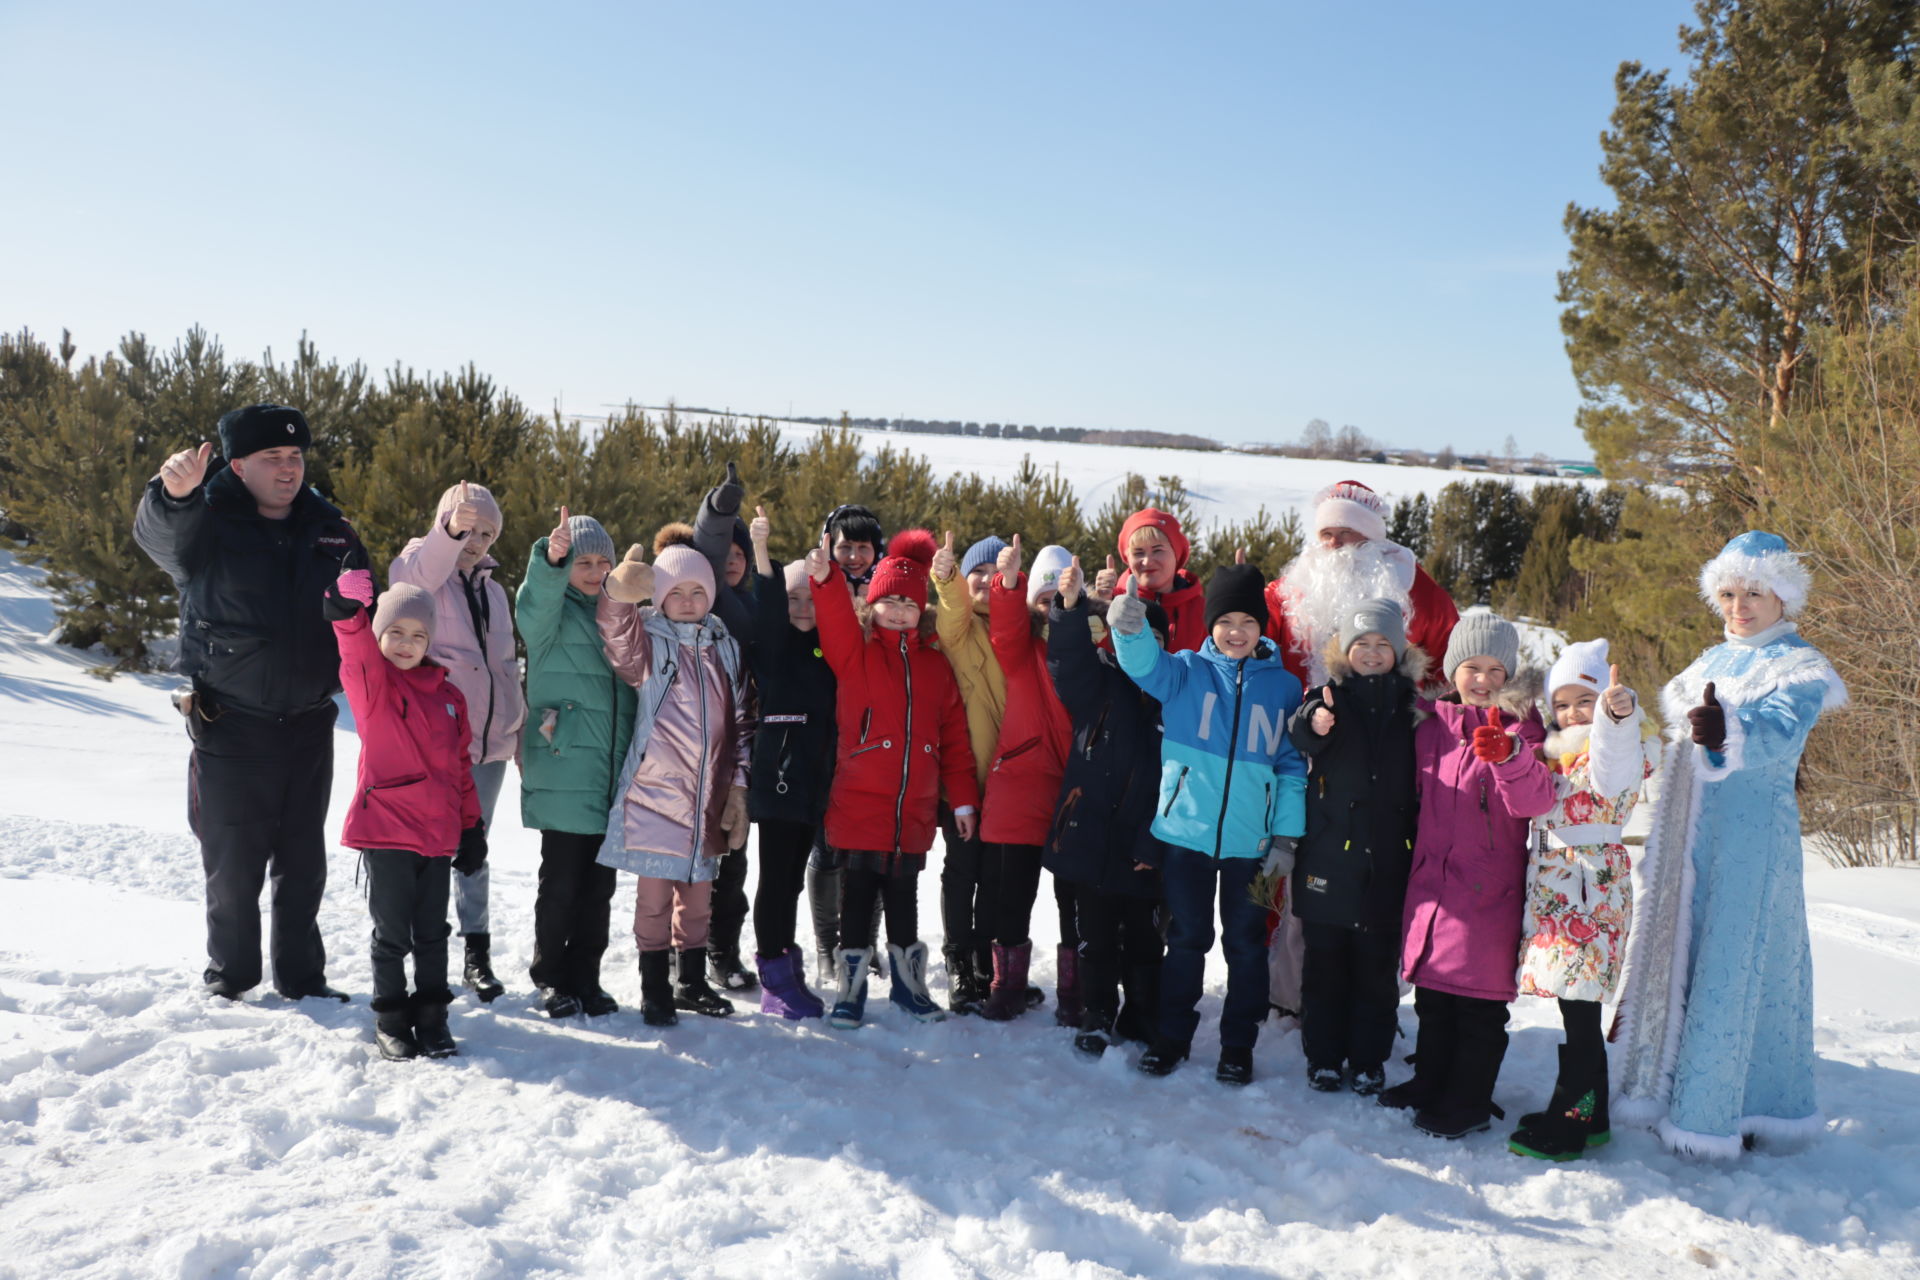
986, 551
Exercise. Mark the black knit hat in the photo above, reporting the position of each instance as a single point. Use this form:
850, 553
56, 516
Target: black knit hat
262, 426
1237, 588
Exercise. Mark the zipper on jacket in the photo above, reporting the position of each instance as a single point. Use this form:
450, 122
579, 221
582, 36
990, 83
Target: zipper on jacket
1173, 799
1233, 744
367, 794
700, 776
482, 614
906, 747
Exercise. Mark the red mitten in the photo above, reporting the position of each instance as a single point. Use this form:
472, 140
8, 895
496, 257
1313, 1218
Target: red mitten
1491, 742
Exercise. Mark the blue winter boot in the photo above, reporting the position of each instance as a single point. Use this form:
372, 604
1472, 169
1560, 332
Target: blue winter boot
909, 969
850, 1004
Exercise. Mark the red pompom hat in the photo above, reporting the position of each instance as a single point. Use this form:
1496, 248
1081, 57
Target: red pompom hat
904, 571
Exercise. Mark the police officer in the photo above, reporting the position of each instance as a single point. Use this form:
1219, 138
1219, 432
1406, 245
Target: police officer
251, 549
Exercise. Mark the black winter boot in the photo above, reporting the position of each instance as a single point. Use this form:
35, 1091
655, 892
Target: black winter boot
558, 1003
1163, 1056
728, 972
596, 1003
393, 1029
430, 1024
692, 992
656, 989
967, 987
477, 973
1236, 1065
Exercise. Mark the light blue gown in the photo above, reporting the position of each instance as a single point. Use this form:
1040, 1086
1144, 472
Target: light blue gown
1719, 1001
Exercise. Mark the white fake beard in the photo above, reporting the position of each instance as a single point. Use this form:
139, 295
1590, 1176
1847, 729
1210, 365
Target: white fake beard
1324, 583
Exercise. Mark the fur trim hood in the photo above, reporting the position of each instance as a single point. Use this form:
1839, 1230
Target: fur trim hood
1414, 664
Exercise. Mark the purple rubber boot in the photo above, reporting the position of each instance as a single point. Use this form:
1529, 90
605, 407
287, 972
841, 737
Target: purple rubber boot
1067, 1005
783, 987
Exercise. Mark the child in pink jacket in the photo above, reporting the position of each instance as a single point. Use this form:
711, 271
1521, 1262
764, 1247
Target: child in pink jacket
414, 814
1480, 781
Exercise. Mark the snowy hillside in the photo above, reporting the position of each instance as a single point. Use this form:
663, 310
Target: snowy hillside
1222, 486
150, 1131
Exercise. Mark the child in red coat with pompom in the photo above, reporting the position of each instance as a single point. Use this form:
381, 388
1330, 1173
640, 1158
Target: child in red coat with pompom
415, 813
902, 742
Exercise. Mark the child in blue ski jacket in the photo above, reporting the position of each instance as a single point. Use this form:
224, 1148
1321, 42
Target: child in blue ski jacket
1232, 804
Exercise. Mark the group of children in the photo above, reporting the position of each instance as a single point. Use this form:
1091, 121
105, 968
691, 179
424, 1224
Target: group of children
1137, 735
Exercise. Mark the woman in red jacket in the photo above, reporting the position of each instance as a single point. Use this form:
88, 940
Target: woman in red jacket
1154, 549
415, 812
902, 742
1023, 784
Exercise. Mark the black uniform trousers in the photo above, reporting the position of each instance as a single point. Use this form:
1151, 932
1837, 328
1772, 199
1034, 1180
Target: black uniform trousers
257, 792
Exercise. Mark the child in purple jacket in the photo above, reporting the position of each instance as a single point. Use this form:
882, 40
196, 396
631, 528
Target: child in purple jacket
1480, 782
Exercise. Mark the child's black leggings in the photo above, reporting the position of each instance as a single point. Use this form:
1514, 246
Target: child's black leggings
1009, 882
784, 849
861, 890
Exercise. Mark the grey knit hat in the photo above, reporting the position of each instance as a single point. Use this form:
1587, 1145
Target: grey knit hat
1482, 635
589, 539
1378, 614
404, 600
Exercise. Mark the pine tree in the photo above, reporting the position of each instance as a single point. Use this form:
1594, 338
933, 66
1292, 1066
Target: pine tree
1412, 525
1747, 216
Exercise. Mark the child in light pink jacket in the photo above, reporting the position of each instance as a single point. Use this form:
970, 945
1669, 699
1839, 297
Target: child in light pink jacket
474, 642
680, 801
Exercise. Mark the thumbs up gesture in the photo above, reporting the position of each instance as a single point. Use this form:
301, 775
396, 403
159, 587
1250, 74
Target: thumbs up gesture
1127, 615
820, 559
465, 514
1491, 741
1105, 580
1616, 697
944, 565
185, 471
1007, 564
1322, 721
560, 541
632, 580
1709, 721
1073, 580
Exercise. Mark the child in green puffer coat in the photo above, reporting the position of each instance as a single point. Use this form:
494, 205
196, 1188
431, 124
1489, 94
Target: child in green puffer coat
579, 720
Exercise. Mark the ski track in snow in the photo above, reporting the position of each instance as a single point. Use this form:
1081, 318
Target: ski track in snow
1874, 931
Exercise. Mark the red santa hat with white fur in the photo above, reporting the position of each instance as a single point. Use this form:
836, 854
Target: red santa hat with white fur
1351, 505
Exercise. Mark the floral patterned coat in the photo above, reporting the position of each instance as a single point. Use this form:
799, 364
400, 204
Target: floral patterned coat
1579, 899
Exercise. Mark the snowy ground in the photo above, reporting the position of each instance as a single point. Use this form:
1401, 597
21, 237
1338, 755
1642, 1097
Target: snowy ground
147, 1130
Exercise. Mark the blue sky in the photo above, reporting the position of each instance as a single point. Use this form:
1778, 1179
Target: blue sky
1217, 218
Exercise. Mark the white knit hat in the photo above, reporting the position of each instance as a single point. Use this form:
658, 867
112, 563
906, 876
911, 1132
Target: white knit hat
1582, 664
1047, 567
1351, 505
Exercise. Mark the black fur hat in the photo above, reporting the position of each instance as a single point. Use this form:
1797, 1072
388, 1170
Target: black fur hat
262, 426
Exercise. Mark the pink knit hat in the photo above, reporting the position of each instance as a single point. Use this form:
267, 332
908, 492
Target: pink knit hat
480, 496
796, 575
681, 564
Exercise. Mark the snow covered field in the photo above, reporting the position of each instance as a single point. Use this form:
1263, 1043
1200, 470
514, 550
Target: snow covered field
147, 1130
1221, 486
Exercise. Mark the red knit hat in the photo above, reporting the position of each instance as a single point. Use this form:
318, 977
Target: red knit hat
1154, 518
904, 571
